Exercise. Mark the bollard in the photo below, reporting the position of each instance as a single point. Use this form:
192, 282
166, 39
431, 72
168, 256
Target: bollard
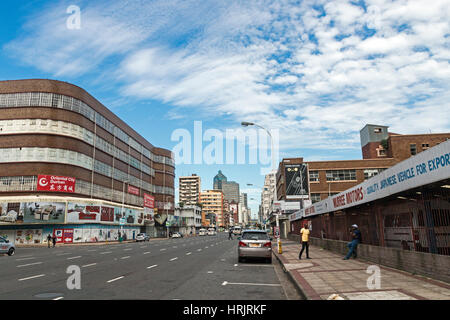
280, 251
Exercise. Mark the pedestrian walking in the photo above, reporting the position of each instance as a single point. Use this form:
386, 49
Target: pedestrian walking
230, 234
352, 246
49, 239
54, 241
305, 242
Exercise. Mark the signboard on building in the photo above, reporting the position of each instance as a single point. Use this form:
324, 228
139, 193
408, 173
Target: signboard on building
55, 183
149, 201
133, 190
296, 181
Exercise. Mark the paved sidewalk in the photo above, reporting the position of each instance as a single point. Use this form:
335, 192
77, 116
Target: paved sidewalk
326, 274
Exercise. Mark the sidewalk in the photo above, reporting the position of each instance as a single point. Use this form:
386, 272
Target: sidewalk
326, 274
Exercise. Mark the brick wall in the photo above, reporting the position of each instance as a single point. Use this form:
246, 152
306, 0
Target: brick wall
430, 265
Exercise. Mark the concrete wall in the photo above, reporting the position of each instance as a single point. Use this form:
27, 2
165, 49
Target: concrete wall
430, 265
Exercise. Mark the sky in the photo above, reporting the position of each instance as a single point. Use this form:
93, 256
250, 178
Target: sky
313, 73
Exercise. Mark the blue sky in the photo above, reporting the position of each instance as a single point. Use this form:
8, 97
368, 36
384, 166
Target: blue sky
316, 71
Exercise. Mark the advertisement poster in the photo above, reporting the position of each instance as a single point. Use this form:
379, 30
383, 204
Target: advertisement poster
107, 214
296, 181
59, 234
28, 236
68, 235
55, 183
11, 212
43, 212
133, 190
148, 216
77, 235
83, 213
149, 201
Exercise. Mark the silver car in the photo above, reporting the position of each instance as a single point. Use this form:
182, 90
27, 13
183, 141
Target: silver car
255, 244
7, 247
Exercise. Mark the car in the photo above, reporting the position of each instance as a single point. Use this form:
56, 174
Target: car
142, 237
255, 244
177, 235
7, 247
202, 232
212, 232
237, 230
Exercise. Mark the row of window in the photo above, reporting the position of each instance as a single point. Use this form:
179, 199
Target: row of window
75, 158
72, 130
44, 99
343, 175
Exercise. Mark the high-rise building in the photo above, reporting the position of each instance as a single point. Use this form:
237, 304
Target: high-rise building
189, 190
230, 191
66, 160
212, 207
219, 178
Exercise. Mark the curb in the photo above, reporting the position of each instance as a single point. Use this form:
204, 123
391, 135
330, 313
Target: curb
299, 288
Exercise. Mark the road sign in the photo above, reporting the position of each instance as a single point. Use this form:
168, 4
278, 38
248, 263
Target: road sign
276, 231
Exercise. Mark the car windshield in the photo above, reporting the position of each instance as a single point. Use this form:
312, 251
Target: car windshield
255, 236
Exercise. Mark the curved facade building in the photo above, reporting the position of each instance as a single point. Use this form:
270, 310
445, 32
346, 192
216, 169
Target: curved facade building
86, 156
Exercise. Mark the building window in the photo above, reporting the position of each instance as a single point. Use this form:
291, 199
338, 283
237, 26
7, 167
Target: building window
369, 173
381, 152
315, 197
313, 175
377, 130
341, 175
413, 148
425, 146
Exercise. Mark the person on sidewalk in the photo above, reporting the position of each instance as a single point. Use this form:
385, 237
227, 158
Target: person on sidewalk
54, 241
49, 239
230, 234
352, 246
305, 242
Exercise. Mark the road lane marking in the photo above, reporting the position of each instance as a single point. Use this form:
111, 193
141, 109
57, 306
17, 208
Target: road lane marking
147, 252
29, 264
188, 253
174, 247
143, 247
235, 264
174, 259
105, 252
93, 250
153, 266
210, 272
128, 249
162, 249
206, 247
252, 284
63, 254
58, 298
71, 258
32, 277
22, 259
115, 279
199, 249
89, 265
126, 257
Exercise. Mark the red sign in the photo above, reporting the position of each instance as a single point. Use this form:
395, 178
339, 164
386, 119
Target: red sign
56, 183
133, 190
149, 201
68, 236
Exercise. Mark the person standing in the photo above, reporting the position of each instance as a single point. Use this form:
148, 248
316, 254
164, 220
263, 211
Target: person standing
54, 240
49, 239
305, 241
352, 246
230, 234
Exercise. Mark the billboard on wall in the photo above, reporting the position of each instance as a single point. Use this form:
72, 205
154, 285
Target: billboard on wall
55, 183
32, 212
133, 190
296, 181
83, 213
149, 201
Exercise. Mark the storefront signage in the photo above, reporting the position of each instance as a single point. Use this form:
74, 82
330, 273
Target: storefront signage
133, 190
55, 183
149, 201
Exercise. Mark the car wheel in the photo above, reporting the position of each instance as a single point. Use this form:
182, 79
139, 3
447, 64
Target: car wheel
11, 252
269, 260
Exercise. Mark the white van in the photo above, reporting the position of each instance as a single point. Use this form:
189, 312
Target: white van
237, 230
202, 232
211, 232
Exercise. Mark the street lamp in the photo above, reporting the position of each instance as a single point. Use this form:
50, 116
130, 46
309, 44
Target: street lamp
274, 167
123, 206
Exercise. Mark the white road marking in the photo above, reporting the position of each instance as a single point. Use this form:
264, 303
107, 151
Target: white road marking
115, 279
59, 298
89, 265
210, 272
188, 253
147, 252
32, 277
199, 249
153, 266
162, 249
29, 264
206, 247
105, 252
236, 265
128, 249
63, 254
174, 247
93, 250
71, 258
143, 247
25, 259
251, 284
174, 259
125, 257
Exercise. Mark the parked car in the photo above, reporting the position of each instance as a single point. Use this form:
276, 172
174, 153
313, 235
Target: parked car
177, 235
202, 232
212, 232
255, 244
237, 230
142, 237
7, 247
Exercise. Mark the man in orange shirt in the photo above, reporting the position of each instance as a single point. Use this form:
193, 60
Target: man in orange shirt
305, 241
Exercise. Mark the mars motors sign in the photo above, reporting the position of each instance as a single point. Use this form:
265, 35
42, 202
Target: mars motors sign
55, 183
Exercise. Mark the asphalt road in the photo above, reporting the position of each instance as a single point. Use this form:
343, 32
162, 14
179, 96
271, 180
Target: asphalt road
196, 268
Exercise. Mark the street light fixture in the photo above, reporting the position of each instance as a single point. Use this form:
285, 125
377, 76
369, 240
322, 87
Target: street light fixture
246, 124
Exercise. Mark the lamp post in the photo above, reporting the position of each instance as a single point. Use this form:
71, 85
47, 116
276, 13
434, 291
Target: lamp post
274, 168
123, 208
